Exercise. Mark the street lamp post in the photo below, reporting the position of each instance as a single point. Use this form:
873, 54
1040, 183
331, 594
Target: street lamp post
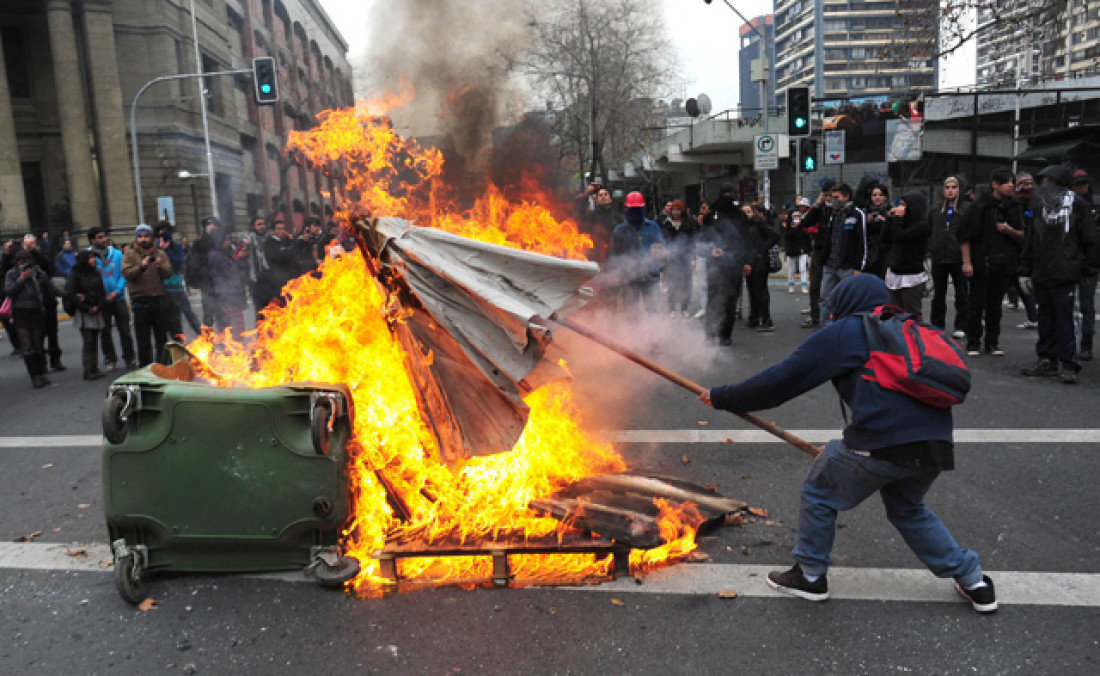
202, 105
759, 69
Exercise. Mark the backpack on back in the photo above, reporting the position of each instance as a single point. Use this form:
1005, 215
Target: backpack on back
911, 357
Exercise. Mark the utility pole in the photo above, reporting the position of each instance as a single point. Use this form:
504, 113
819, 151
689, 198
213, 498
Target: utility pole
205, 121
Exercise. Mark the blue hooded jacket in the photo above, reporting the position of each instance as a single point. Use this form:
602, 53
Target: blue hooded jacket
890, 425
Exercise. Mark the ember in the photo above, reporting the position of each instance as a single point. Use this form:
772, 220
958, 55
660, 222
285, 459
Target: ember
334, 329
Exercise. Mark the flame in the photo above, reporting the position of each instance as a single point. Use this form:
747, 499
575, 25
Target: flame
333, 329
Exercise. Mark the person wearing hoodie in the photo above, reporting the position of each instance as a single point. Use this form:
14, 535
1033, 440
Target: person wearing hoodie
988, 239
878, 209
893, 445
1060, 250
85, 292
732, 243
943, 244
904, 240
635, 256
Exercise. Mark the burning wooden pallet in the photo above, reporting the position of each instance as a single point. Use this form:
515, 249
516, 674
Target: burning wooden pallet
609, 514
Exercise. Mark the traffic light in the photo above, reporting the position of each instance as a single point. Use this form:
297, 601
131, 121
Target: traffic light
798, 111
263, 76
808, 153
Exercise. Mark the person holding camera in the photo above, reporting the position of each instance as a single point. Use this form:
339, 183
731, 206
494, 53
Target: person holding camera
32, 295
145, 268
905, 244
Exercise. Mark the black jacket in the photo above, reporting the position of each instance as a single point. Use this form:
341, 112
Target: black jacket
1054, 254
991, 251
905, 238
738, 239
943, 241
795, 239
680, 242
87, 282
853, 239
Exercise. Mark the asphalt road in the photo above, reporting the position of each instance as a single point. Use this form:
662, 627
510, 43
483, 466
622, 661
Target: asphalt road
1027, 506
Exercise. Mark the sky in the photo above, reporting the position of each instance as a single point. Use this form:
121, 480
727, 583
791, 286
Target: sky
704, 36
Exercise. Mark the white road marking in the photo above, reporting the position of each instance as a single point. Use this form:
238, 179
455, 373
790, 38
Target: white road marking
696, 436
695, 579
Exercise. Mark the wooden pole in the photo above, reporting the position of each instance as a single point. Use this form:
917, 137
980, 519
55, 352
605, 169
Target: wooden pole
766, 425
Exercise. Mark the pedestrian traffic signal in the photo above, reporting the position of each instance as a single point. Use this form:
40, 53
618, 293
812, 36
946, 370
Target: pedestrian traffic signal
808, 153
263, 76
798, 111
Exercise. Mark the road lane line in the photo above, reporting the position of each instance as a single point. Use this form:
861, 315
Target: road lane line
697, 436
692, 579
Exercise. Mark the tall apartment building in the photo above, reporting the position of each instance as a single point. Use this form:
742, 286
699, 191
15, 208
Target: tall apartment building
73, 67
854, 47
750, 50
1012, 50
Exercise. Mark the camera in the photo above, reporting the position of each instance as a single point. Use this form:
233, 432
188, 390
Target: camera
25, 265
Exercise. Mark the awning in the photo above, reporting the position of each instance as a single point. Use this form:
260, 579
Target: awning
1055, 152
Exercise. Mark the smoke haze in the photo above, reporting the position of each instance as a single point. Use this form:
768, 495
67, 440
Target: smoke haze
455, 54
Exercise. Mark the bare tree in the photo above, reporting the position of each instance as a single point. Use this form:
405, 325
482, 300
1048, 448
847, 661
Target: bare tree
594, 62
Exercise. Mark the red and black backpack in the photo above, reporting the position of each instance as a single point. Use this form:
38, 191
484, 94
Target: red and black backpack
911, 357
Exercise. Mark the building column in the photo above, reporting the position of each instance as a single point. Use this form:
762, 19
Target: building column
73, 115
14, 201
114, 160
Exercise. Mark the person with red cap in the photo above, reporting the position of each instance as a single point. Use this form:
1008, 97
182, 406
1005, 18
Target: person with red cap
636, 255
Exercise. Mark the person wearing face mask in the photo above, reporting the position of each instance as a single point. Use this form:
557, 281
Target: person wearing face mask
635, 257
731, 241
1060, 249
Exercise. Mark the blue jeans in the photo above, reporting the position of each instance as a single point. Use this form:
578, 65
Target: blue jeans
830, 277
840, 480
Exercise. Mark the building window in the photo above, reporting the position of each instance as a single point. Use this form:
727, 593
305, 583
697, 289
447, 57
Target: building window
15, 57
857, 83
858, 53
214, 100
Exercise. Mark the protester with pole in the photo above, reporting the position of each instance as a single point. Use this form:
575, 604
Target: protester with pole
894, 445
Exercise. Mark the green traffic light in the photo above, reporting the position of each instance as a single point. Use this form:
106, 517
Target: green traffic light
265, 88
800, 122
809, 164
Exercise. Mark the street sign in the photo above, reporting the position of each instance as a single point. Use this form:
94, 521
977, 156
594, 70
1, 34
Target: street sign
834, 146
765, 152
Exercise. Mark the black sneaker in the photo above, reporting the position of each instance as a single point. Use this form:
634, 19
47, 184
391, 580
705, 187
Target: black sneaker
994, 351
973, 351
795, 583
766, 327
1069, 375
1041, 368
983, 598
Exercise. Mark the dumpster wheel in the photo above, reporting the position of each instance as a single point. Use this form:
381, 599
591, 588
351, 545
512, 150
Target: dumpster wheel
321, 421
116, 417
128, 579
334, 576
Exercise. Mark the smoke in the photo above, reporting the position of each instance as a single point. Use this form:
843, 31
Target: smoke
456, 54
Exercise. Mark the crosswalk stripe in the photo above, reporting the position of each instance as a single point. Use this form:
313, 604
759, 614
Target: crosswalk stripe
695, 436
692, 579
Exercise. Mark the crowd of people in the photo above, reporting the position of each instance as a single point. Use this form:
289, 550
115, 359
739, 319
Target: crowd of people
1008, 242
140, 290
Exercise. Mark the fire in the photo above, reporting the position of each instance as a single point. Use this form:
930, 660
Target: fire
334, 329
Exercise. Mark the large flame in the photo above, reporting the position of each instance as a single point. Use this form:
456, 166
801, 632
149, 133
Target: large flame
333, 329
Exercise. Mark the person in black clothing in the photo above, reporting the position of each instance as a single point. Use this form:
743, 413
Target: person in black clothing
679, 231
33, 296
1025, 195
760, 317
905, 244
796, 244
733, 242
601, 223
45, 263
988, 239
7, 260
812, 222
878, 208
86, 295
943, 244
198, 276
841, 240
1060, 249
1086, 291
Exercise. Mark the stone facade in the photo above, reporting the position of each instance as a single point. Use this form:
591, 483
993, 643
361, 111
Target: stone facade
74, 67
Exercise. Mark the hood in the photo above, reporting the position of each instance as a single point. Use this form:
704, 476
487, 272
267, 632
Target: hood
916, 206
859, 293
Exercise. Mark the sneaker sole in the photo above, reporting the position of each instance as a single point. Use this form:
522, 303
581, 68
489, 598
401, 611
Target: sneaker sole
809, 596
980, 607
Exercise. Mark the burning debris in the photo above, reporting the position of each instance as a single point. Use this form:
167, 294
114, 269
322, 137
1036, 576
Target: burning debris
429, 333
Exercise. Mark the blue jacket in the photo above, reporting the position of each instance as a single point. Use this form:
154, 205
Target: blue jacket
175, 253
631, 253
891, 425
111, 269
